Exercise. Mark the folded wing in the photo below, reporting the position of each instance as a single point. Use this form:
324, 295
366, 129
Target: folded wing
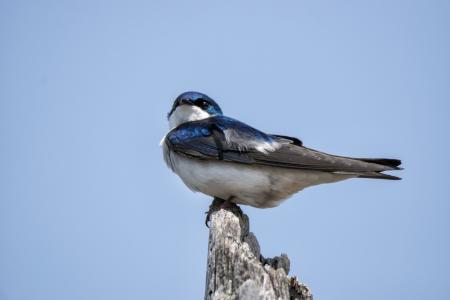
239, 143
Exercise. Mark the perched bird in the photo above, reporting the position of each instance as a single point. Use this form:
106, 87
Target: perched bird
227, 159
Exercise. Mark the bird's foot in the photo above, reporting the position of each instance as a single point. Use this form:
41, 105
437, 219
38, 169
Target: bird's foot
219, 204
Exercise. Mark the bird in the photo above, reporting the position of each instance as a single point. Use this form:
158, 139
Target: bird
229, 160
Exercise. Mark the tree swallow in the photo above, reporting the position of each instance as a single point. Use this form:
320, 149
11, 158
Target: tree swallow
227, 159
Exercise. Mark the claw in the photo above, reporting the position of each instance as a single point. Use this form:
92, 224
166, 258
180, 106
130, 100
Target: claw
208, 217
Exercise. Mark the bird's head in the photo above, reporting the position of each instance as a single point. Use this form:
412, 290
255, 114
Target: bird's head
192, 106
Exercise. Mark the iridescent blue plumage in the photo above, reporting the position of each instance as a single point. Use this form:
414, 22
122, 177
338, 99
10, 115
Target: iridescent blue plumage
237, 132
187, 131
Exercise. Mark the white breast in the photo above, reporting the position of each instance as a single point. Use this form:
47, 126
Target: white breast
258, 186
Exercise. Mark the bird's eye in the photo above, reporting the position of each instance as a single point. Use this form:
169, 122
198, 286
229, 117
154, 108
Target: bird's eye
202, 103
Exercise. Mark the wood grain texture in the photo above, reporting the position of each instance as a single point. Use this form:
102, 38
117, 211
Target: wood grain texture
237, 270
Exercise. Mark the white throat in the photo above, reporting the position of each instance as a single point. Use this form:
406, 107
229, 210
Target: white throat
186, 113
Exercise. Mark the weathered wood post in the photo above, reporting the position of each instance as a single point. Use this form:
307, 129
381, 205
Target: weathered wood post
237, 270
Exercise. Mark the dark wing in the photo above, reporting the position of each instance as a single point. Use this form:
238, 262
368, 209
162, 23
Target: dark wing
236, 142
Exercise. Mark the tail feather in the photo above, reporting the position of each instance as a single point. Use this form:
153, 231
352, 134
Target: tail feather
391, 164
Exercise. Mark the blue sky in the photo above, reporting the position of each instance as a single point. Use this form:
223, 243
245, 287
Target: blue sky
88, 210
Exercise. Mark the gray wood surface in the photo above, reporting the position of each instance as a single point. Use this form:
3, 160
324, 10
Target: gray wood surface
236, 268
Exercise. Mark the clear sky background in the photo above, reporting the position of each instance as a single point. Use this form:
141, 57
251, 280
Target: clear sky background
88, 209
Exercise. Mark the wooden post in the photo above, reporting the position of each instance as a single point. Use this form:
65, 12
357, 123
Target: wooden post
237, 270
